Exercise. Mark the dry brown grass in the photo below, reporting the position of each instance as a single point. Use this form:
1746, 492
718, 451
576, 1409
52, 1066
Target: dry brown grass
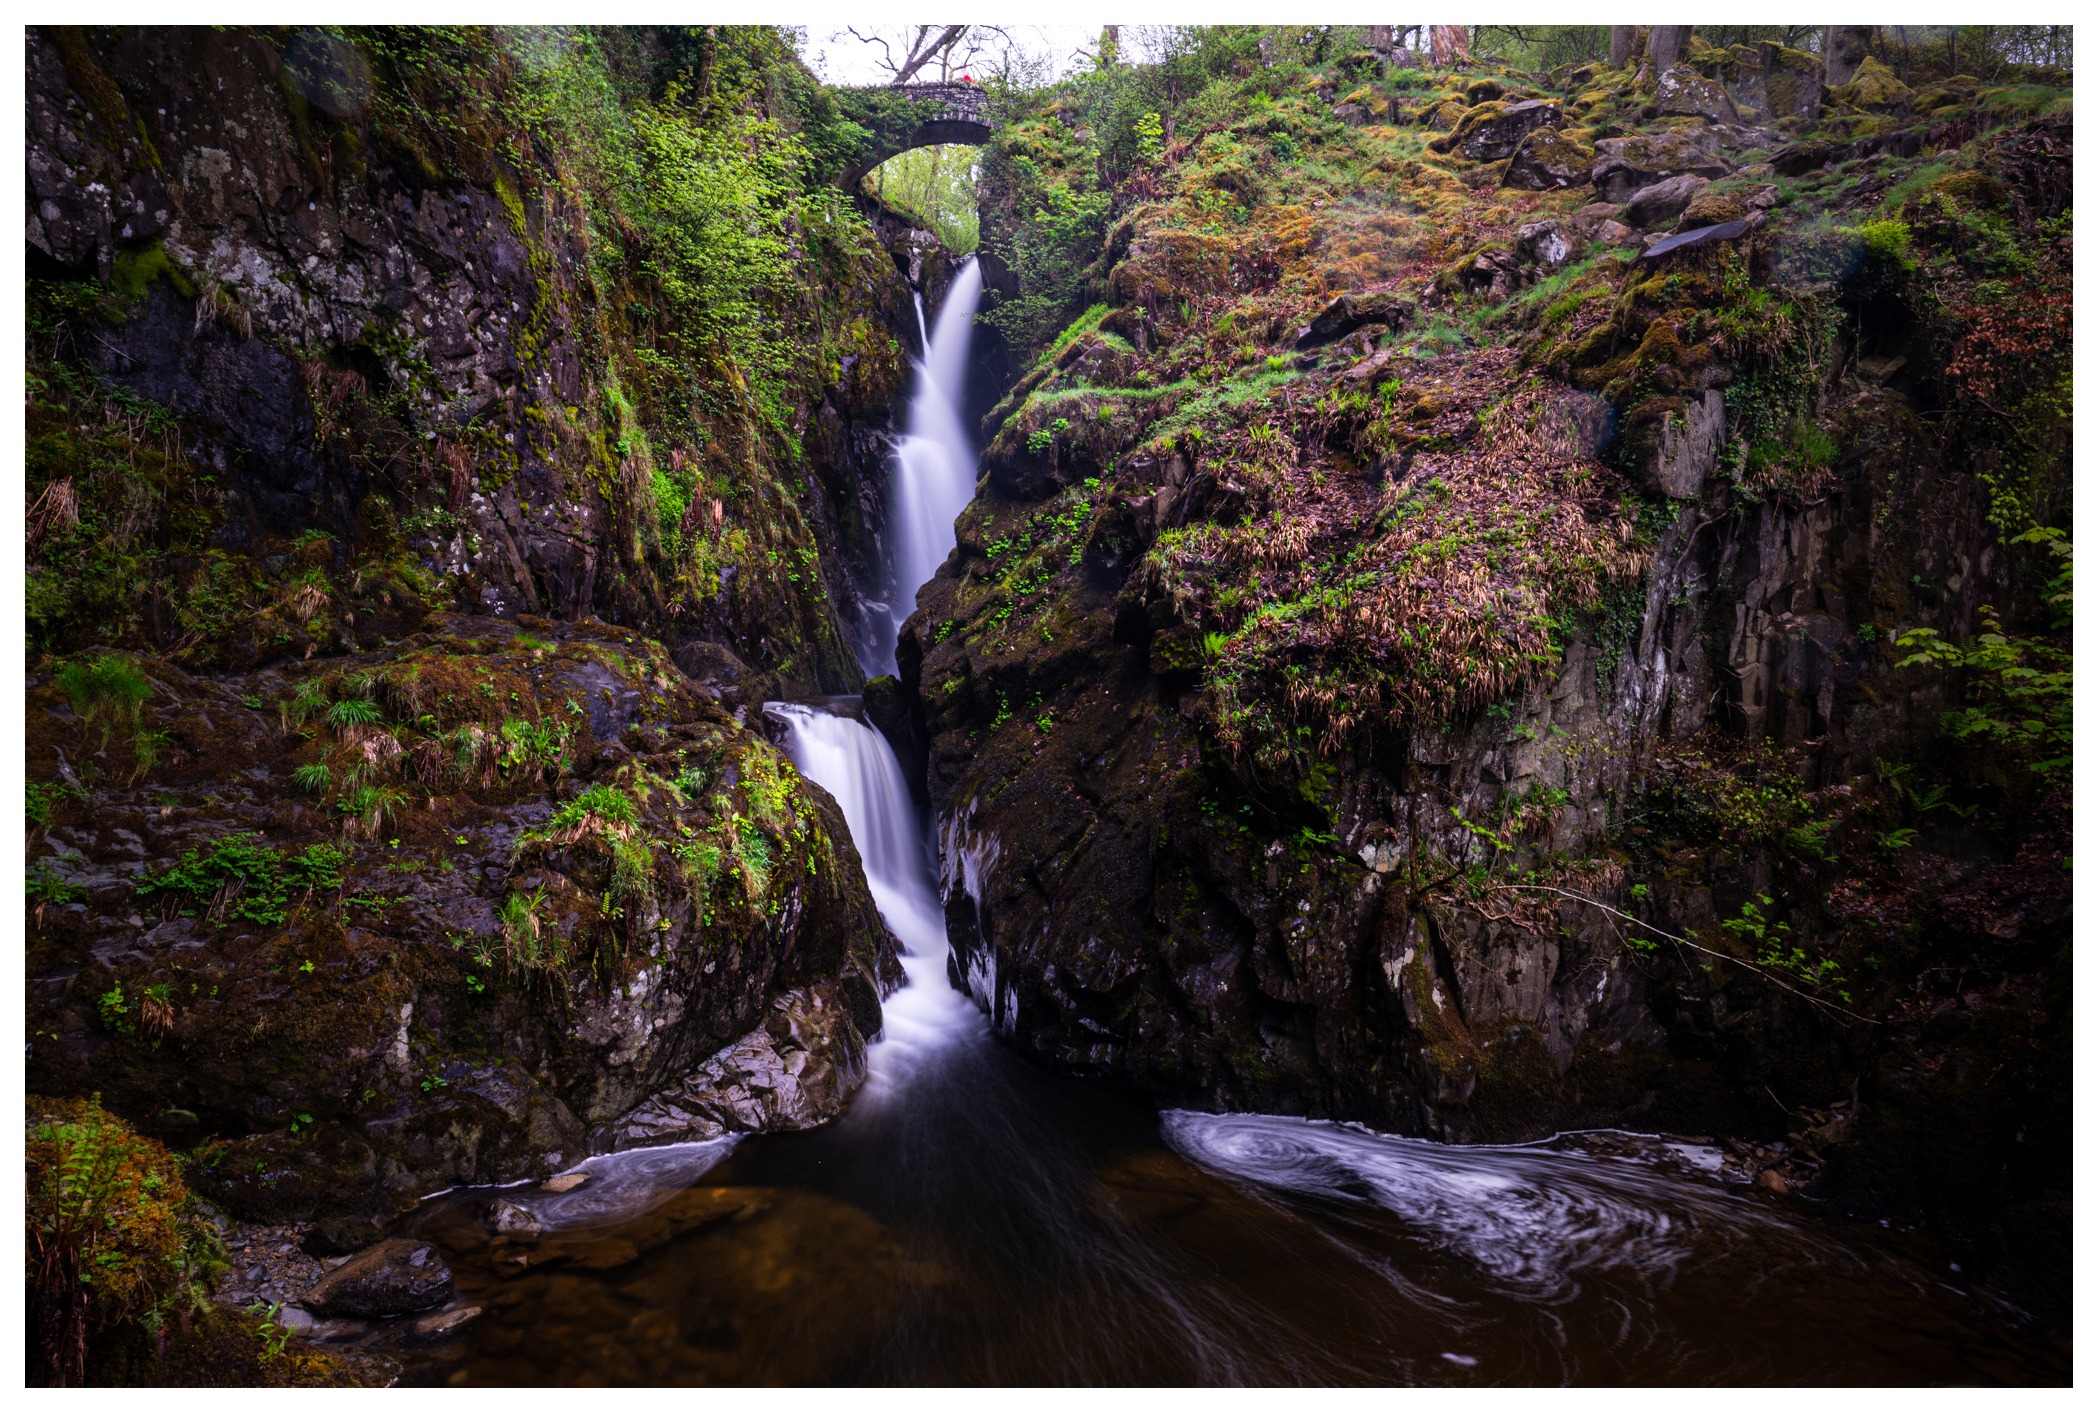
1446, 590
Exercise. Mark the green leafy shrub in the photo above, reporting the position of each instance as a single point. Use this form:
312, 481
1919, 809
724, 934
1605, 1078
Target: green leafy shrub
41, 797
47, 887
1777, 951
598, 805
1887, 243
1744, 794
540, 745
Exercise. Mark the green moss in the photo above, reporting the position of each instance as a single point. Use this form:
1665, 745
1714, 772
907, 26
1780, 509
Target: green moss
103, 98
133, 272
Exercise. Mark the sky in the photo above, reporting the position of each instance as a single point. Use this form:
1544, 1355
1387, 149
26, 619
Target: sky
839, 58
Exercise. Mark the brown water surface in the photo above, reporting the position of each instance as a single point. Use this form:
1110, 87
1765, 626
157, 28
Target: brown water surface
993, 1223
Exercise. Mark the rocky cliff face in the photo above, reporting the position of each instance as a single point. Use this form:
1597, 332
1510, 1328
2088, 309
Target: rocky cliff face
1424, 654
339, 307
407, 570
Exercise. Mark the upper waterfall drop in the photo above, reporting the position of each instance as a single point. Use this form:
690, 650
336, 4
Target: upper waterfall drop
935, 475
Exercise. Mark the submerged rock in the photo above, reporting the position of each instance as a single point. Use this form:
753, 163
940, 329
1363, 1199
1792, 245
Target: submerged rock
447, 1321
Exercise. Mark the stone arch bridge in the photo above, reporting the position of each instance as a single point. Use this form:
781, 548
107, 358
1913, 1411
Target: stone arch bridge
900, 117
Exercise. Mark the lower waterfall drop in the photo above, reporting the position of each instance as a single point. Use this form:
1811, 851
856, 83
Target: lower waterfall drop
851, 760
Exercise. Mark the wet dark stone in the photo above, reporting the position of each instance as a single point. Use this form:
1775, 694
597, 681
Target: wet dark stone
1349, 312
1703, 235
396, 1277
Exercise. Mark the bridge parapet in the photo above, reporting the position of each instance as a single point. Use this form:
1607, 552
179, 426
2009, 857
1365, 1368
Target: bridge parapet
900, 117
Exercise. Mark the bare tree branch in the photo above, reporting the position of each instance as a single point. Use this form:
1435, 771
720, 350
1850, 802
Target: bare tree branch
888, 60
927, 46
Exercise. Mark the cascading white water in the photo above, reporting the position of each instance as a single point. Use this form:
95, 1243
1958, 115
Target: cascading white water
935, 473
853, 761
935, 478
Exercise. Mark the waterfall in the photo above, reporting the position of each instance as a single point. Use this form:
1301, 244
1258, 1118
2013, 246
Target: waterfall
935, 474
935, 478
852, 760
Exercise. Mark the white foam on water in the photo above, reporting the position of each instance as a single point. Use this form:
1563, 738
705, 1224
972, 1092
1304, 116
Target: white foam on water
1528, 1218
935, 480
623, 1185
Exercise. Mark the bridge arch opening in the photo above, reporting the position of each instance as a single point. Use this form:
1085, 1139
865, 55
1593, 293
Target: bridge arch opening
934, 187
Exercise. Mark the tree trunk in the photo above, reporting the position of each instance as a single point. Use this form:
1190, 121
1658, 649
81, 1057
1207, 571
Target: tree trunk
1380, 42
1451, 45
1664, 47
1624, 39
1842, 50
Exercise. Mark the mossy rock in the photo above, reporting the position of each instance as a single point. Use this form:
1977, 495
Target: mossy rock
1792, 83
1492, 131
1946, 93
1711, 208
1443, 116
1549, 159
1874, 89
1975, 189
1467, 124
1173, 265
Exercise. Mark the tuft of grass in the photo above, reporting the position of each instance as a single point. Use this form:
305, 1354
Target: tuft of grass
370, 808
353, 712
530, 941
104, 690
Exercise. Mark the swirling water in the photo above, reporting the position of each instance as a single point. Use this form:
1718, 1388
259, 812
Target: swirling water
974, 1219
